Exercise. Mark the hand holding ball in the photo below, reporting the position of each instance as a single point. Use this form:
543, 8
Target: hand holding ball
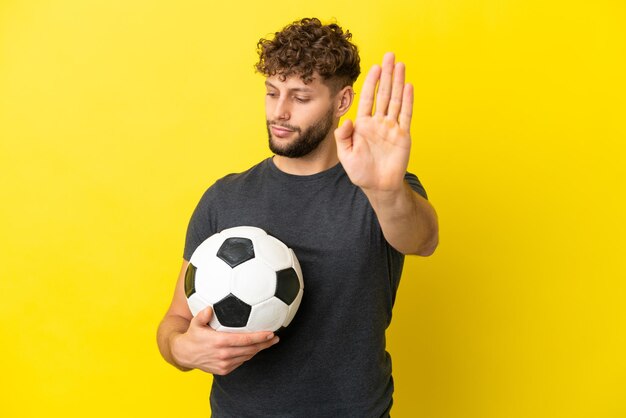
252, 280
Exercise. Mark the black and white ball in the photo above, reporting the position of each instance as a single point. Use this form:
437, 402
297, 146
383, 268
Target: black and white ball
252, 280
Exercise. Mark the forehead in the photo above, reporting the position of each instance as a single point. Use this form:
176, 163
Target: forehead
296, 84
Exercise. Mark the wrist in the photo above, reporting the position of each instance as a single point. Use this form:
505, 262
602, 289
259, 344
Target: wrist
388, 197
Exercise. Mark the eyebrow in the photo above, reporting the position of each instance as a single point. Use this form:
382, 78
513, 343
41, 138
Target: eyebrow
296, 89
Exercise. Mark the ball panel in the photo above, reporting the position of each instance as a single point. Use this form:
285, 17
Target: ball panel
253, 282
242, 231
268, 315
190, 277
297, 268
222, 328
215, 323
196, 304
232, 312
206, 251
293, 308
235, 251
273, 252
287, 285
213, 282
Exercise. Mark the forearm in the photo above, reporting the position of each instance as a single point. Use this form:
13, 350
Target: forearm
170, 327
408, 221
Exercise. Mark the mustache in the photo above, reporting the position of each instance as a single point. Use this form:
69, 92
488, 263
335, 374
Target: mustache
283, 125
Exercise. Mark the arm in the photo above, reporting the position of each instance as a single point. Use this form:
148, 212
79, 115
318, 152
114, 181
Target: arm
374, 151
189, 342
408, 221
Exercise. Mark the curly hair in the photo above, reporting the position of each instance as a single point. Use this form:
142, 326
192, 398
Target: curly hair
306, 47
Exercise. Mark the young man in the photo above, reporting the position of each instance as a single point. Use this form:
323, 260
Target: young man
341, 198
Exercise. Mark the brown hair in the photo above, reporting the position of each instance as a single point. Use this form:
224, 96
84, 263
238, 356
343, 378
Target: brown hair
305, 47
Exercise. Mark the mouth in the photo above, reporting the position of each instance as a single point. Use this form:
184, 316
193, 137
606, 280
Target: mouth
280, 131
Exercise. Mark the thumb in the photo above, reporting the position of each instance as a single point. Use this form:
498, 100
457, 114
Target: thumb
343, 136
203, 317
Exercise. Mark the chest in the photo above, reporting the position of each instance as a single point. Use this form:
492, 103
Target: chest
323, 217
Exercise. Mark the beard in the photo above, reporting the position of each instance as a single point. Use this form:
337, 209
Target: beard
306, 141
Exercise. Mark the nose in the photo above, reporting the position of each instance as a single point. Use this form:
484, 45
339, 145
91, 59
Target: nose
281, 111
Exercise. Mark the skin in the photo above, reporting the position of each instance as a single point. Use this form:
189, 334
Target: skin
306, 140
374, 150
295, 104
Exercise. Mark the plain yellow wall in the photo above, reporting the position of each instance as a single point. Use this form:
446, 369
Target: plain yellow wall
116, 115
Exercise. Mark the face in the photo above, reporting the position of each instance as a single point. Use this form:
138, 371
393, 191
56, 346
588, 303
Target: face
299, 116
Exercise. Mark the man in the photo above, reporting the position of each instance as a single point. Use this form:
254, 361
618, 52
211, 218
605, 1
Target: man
341, 198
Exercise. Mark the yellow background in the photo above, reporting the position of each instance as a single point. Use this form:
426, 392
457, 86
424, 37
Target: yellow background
116, 115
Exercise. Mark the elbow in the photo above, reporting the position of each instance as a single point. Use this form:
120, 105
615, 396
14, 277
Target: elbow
426, 251
429, 246
429, 235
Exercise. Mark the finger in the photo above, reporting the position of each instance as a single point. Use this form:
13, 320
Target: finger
343, 136
203, 317
244, 339
366, 101
384, 87
250, 350
233, 363
406, 112
225, 367
238, 361
396, 93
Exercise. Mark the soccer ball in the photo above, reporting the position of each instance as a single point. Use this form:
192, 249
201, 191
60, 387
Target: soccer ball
252, 280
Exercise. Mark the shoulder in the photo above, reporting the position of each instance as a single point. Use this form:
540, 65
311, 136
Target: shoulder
232, 183
233, 179
256, 171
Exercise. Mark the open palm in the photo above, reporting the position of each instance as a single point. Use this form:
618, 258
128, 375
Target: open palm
375, 149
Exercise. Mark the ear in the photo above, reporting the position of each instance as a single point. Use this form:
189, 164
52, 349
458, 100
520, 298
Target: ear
343, 100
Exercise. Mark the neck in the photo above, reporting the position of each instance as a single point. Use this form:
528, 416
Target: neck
320, 159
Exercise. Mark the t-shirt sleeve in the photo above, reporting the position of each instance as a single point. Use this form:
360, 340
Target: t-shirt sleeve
415, 184
202, 223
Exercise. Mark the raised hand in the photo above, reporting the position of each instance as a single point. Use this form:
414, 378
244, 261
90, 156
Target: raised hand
374, 150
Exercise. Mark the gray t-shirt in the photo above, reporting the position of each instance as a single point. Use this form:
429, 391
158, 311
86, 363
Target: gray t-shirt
331, 360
